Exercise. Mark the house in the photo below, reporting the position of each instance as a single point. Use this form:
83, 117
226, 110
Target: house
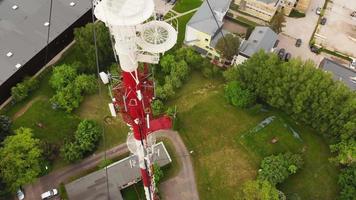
265, 9
23, 36
262, 38
203, 32
340, 72
118, 176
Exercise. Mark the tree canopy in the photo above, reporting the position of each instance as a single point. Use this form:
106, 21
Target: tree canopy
85, 43
20, 161
258, 190
228, 46
62, 76
5, 127
237, 96
278, 21
347, 182
277, 168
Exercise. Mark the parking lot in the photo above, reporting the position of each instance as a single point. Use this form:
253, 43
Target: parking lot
288, 43
339, 32
301, 28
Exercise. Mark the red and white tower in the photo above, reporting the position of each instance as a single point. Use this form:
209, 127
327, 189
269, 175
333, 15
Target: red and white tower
138, 38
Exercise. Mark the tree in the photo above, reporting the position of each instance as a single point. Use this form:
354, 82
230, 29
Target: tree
228, 46
68, 98
278, 21
347, 182
20, 161
23, 89
192, 58
277, 168
5, 127
62, 76
258, 190
157, 107
87, 135
158, 175
237, 96
85, 44
86, 83
71, 152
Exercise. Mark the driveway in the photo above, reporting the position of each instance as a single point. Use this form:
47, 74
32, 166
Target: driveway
339, 32
182, 186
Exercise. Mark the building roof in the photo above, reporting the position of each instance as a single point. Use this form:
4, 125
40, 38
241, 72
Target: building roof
203, 20
340, 72
262, 37
120, 175
22, 30
269, 1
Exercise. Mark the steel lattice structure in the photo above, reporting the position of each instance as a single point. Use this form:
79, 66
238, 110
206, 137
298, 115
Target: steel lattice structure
138, 37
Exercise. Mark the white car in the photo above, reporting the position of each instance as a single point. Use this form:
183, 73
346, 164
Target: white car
20, 194
318, 11
49, 194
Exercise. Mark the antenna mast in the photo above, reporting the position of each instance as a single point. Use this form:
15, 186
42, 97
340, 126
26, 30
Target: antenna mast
138, 37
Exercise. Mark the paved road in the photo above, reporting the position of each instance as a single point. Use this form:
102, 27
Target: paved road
182, 186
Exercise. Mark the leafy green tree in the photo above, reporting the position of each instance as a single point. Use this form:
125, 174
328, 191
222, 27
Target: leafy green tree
347, 182
158, 174
192, 58
157, 107
62, 76
68, 98
167, 62
21, 157
71, 152
5, 127
237, 96
277, 168
258, 190
87, 135
278, 21
86, 83
23, 89
85, 44
228, 46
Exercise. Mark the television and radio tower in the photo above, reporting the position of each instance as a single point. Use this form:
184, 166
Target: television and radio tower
138, 37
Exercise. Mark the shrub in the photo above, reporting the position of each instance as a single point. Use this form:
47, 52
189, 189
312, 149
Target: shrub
296, 14
22, 90
237, 96
5, 127
71, 152
157, 107
277, 168
62, 76
86, 83
347, 182
68, 98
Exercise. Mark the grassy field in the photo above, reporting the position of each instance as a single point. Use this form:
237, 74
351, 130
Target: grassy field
223, 160
186, 5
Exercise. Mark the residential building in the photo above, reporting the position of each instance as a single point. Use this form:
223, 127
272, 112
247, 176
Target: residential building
203, 31
23, 35
340, 72
262, 38
114, 178
265, 9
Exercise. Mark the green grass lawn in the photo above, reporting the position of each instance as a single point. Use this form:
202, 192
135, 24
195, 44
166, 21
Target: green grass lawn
186, 5
134, 192
222, 163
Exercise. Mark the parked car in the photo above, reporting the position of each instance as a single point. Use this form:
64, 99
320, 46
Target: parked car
276, 44
49, 194
353, 64
298, 42
314, 49
353, 14
281, 53
323, 21
287, 57
318, 11
20, 195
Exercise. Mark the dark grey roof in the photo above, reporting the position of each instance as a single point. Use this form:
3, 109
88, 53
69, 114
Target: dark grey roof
340, 72
23, 33
262, 37
203, 20
120, 175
